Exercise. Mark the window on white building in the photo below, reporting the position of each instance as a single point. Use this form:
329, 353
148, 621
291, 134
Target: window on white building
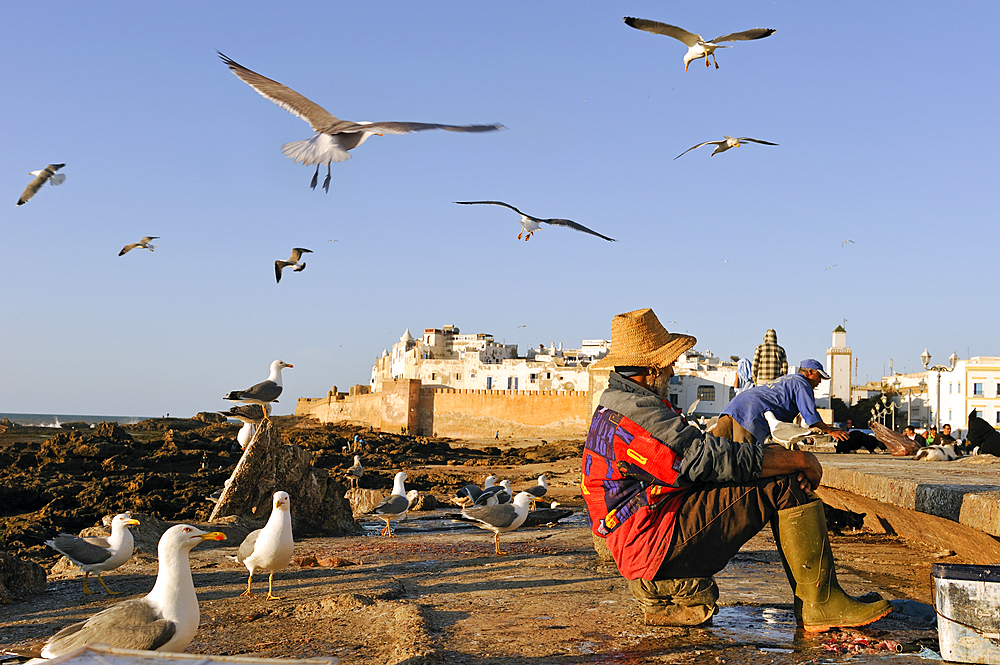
949, 387
548, 375
673, 398
959, 389
998, 417
706, 393
978, 413
532, 378
489, 383
977, 389
458, 375
434, 376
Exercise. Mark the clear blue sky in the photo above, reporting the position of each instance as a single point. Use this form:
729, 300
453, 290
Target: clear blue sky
885, 115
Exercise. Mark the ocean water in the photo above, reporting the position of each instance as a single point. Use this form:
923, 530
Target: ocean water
56, 419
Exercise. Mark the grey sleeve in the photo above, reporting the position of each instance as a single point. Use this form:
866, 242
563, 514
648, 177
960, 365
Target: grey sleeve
718, 460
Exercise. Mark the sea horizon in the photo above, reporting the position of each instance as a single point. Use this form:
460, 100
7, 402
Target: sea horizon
58, 419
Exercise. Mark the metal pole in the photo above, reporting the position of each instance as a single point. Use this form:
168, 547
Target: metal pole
937, 413
909, 407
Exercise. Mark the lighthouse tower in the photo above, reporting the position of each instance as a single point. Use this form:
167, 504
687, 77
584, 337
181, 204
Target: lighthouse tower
838, 363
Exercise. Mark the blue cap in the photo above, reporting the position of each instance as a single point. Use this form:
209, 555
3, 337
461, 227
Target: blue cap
814, 364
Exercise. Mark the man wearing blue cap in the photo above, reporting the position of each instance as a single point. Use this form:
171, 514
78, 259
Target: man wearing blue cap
785, 397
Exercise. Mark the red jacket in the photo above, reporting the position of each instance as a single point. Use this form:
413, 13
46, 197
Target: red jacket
640, 461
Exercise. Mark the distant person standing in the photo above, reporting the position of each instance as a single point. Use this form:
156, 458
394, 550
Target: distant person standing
744, 376
769, 361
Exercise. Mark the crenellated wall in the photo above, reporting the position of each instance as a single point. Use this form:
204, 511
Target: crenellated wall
458, 413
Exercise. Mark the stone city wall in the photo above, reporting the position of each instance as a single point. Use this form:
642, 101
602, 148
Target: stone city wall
457, 413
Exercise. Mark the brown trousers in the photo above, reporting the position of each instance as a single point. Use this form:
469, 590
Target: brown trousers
727, 428
716, 520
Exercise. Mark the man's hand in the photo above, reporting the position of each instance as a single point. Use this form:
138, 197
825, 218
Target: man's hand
780, 462
839, 434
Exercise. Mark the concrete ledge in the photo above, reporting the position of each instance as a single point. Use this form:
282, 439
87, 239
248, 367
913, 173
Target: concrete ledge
901, 494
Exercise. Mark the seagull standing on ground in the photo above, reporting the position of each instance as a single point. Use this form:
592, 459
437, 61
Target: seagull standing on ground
166, 619
498, 519
294, 261
466, 497
355, 473
531, 224
697, 46
269, 548
142, 244
334, 137
98, 555
495, 495
538, 491
725, 144
263, 393
393, 506
250, 415
48, 173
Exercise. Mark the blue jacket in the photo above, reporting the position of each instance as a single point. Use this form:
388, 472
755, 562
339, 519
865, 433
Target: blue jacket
785, 397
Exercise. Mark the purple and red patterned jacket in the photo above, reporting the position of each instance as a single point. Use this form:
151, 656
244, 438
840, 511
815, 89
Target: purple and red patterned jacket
640, 461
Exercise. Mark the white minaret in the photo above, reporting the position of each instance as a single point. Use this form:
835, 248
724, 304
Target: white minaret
838, 365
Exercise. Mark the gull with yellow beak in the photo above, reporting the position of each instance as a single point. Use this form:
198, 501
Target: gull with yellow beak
98, 555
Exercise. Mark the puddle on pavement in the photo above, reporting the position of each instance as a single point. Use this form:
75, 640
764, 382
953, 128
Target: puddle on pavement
765, 627
438, 522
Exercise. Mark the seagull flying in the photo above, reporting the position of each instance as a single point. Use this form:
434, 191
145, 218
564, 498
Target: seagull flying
333, 137
269, 548
263, 393
142, 244
846, 241
725, 144
294, 262
48, 173
531, 224
697, 46
98, 555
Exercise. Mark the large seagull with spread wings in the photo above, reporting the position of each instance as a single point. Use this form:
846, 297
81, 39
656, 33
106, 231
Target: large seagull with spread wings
334, 137
698, 47
531, 224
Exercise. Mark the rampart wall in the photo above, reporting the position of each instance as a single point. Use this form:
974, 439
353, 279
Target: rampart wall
458, 413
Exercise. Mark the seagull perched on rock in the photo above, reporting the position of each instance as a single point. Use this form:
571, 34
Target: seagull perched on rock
166, 619
294, 262
47, 174
269, 548
263, 393
142, 244
98, 555
531, 224
251, 416
725, 144
498, 519
355, 473
393, 506
334, 137
697, 46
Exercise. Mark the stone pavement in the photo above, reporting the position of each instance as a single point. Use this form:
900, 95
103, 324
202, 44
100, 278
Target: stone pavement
950, 505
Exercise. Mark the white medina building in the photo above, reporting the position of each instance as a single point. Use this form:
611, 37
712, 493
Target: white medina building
444, 358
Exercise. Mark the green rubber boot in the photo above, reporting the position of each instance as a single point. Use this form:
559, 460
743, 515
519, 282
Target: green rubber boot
820, 603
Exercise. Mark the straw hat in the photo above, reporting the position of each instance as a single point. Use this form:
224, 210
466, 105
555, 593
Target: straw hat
638, 339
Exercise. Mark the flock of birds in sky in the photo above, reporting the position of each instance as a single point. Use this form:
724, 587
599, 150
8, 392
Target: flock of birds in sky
167, 618
335, 138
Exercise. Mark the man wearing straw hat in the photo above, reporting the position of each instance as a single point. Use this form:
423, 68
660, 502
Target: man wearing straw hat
675, 505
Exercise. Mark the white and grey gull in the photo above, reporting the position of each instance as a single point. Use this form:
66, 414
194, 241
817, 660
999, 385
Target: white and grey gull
251, 416
725, 144
263, 393
698, 47
393, 506
531, 224
269, 548
498, 519
294, 262
166, 619
48, 174
96, 554
145, 243
356, 472
334, 137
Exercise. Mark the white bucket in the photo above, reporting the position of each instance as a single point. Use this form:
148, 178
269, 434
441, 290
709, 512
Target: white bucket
967, 599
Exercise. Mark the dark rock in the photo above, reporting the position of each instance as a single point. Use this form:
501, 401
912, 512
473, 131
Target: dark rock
209, 417
19, 578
